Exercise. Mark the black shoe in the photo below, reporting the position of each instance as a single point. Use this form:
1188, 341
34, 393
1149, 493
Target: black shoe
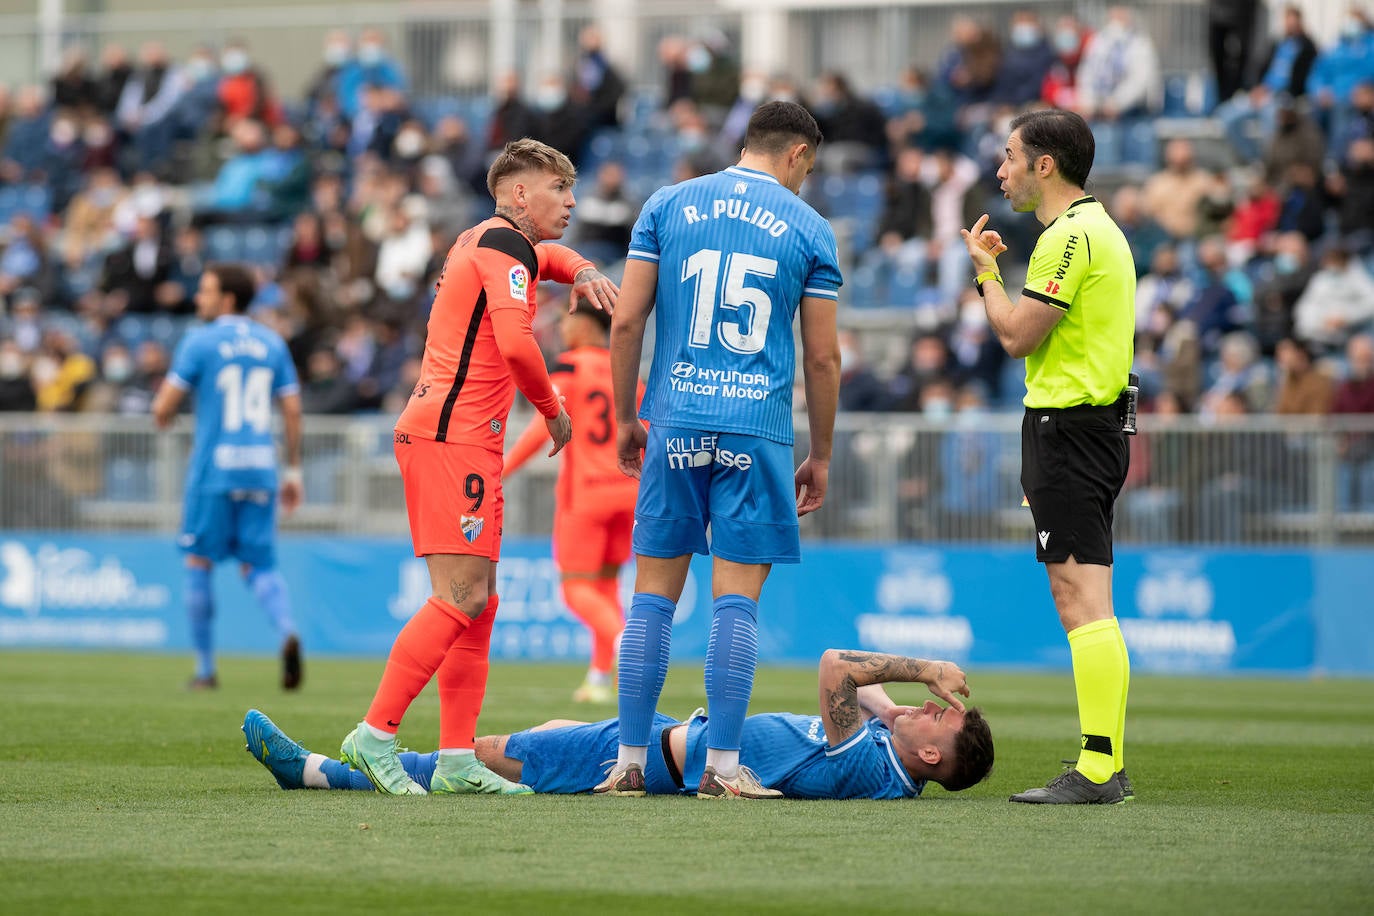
291, 663
1073, 788
1127, 790
203, 683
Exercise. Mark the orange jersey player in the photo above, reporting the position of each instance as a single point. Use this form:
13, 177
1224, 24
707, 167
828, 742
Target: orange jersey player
479, 349
594, 513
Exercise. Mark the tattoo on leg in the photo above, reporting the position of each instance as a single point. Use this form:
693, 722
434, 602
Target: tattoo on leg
459, 591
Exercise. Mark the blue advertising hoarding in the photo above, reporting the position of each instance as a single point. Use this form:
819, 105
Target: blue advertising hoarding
1185, 611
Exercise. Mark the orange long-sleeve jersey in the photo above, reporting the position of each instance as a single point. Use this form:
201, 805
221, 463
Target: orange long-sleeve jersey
479, 346
589, 477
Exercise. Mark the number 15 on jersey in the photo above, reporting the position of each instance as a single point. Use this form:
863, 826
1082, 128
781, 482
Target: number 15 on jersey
752, 306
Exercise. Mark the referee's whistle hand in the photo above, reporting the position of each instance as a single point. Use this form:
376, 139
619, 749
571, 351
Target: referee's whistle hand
984, 245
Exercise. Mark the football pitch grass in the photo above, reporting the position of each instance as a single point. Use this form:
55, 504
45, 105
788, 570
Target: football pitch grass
122, 793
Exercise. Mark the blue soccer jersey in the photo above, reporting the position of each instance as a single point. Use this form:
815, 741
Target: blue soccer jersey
790, 753
236, 367
736, 253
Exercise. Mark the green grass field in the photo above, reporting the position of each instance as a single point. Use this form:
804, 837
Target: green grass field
121, 793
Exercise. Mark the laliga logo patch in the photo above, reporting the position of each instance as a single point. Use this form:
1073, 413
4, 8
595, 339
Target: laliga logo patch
519, 283
471, 526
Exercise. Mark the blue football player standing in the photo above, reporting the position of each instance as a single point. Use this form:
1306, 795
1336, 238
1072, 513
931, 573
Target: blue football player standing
236, 367
729, 260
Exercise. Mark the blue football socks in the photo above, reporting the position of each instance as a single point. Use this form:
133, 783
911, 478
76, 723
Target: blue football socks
270, 589
420, 767
731, 657
200, 608
644, 648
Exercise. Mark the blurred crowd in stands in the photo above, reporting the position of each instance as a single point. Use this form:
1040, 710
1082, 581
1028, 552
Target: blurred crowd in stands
1249, 204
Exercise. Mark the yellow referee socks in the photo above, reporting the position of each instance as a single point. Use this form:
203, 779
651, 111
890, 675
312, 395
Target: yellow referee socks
1100, 675
1119, 738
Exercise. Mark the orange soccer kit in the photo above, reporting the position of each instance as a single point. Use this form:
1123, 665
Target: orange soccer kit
448, 444
594, 514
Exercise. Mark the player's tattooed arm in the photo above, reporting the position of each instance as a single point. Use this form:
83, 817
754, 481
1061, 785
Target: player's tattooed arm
843, 672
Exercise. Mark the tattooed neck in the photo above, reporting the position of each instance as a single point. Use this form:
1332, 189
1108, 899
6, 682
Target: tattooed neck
522, 222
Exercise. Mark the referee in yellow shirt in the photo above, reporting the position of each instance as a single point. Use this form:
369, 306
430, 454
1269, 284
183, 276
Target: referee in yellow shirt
1074, 323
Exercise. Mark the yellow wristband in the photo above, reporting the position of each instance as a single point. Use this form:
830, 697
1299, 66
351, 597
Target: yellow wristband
985, 276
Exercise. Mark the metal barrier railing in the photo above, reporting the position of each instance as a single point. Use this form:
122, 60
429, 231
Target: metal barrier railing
894, 477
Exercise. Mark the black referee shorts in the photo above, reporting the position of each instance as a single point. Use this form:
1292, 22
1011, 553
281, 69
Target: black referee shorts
1073, 465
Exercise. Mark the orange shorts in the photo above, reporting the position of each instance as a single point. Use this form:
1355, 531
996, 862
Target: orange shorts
584, 542
453, 496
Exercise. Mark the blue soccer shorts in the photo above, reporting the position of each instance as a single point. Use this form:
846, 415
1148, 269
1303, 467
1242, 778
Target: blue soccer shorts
239, 524
738, 487
574, 759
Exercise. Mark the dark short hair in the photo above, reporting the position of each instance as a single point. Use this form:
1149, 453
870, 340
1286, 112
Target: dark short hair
972, 752
237, 281
1063, 136
600, 316
776, 125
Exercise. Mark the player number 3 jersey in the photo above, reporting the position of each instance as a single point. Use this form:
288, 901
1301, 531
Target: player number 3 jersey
736, 253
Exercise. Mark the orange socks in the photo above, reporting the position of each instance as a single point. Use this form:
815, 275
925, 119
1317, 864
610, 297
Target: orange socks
419, 650
463, 681
597, 604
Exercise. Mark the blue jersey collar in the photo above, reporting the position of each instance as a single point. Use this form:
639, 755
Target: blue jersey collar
752, 173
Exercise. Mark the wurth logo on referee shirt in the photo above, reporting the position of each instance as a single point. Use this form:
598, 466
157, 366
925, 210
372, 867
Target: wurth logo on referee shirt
1052, 288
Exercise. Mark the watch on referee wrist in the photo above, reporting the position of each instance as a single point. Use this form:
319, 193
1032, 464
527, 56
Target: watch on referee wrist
984, 277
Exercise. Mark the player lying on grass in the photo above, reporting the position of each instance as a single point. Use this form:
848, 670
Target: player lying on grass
862, 745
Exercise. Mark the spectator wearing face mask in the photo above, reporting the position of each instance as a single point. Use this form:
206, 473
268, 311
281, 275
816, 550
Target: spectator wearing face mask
563, 122
372, 66
336, 54
243, 90
1026, 61
1343, 66
199, 100
1059, 88
1279, 284
1119, 75
63, 159
1338, 301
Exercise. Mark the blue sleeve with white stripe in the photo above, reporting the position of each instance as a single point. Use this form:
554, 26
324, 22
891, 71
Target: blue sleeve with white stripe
737, 252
